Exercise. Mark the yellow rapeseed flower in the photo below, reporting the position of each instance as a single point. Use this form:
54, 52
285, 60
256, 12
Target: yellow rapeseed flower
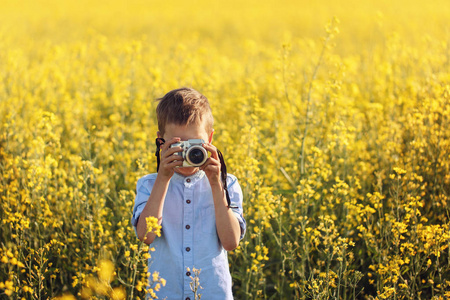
118, 293
105, 270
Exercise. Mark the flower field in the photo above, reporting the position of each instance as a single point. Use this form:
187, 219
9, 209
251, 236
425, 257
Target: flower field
334, 116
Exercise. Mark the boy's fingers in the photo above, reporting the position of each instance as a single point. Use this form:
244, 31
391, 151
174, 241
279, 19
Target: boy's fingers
175, 163
210, 162
167, 144
169, 152
171, 158
171, 165
211, 149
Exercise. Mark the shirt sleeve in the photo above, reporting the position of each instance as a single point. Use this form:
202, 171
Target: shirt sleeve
143, 190
236, 198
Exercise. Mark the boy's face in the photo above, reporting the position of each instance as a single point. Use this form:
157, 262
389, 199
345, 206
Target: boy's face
186, 132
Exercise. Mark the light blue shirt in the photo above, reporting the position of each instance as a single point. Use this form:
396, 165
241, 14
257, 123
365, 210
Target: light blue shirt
188, 236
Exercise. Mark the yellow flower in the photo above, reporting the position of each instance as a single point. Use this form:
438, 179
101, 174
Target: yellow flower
399, 171
163, 281
118, 293
153, 226
105, 270
155, 275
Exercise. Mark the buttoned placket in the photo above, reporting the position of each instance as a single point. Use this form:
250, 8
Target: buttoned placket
188, 235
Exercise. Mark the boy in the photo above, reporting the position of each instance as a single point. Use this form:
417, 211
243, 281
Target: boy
201, 215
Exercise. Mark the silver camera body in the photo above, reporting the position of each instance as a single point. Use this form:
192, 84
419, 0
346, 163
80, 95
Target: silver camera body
193, 153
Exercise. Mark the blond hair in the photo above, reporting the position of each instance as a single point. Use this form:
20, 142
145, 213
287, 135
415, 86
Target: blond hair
184, 106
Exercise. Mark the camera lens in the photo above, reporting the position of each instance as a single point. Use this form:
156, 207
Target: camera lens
196, 156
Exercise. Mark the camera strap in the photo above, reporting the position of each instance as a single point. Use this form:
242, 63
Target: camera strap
223, 175
159, 142
223, 168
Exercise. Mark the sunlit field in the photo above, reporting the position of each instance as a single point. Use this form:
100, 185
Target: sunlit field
334, 115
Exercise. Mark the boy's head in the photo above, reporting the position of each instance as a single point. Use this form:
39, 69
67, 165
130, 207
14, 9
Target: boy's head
184, 106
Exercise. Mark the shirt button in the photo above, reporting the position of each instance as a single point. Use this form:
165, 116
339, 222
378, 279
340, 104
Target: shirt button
188, 226
188, 201
188, 249
188, 273
188, 180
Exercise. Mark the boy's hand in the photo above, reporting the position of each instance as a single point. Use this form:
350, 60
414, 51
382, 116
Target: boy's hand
168, 160
212, 165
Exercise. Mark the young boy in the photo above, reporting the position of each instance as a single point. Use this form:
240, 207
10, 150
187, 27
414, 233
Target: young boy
199, 222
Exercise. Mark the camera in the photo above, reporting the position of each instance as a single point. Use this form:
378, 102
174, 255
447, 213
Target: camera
193, 153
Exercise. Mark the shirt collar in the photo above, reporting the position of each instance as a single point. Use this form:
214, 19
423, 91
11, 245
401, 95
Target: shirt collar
189, 180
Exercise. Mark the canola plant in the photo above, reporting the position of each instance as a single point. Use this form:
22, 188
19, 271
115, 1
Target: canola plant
333, 115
